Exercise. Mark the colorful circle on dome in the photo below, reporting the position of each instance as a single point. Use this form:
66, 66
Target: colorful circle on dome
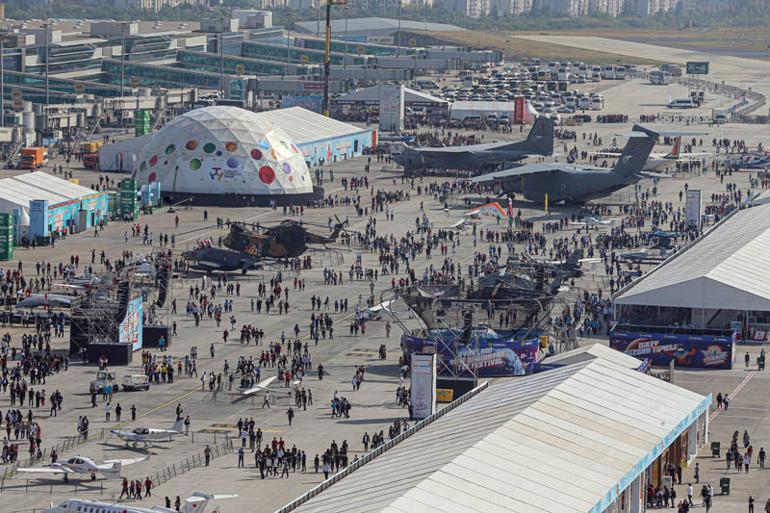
142, 166
153, 160
209, 147
256, 154
170, 149
233, 162
283, 143
291, 178
264, 144
191, 144
296, 150
165, 162
266, 174
195, 164
286, 168
231, 147
152, 177
219, 153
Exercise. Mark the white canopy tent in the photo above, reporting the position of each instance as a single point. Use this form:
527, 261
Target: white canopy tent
726, 269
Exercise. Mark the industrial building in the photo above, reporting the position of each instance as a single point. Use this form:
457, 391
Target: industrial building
44, 205
368, 99
597, 428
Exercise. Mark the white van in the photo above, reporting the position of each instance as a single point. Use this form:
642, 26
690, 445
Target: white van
682, 103
133, 382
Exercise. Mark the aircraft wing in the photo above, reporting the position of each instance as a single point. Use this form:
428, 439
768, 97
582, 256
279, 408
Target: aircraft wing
129, 461
43, 470
649, 174
442, 152
261, 386
527, 170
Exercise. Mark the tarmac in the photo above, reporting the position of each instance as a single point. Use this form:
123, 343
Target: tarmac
176, 465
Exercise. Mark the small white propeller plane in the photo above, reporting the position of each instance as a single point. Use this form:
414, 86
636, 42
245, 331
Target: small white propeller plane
262, 386
149, 435
196, 503
82, 465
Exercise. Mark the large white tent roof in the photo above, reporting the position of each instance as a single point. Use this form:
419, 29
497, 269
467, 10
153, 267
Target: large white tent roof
727, 268
371, 95
568, 440
305, 126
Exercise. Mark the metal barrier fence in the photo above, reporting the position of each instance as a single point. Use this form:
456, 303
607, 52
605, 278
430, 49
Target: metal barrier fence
381, 449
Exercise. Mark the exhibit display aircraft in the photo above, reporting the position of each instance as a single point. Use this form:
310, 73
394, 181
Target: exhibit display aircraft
207, 258
658, 161
149, 435
577, 184
480, 156
262, 386
196, 503
83, 465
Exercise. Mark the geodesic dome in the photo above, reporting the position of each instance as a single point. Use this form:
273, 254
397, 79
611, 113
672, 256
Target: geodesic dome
223, 150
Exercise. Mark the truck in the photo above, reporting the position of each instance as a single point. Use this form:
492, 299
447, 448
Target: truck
103, 378
90, 147
719, 116
91, 160
33, 158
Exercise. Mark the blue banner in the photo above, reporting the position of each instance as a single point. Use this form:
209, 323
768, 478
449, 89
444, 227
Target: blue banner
489, 353
695, 351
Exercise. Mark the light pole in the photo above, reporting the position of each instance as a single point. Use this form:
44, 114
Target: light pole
47, 92
3, 32
288, 44
122, 56
345, 64
398, 47
222, 59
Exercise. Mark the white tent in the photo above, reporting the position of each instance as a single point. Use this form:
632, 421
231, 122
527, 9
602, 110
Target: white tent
223, 150
726, 269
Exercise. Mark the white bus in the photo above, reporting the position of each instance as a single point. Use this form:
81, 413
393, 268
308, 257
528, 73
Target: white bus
597, 102
608, 73
620, 72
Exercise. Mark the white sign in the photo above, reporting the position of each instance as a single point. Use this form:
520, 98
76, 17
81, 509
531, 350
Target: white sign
391, 108
693, 212
423, 385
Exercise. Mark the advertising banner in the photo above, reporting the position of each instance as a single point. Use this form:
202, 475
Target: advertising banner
391, 108
519, 104
38, 219
423, 385
693, 209
130, 331
694, 351
489, 354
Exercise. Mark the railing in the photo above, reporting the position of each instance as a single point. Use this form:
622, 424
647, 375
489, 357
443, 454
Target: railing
61, 447
381, 449
195, 461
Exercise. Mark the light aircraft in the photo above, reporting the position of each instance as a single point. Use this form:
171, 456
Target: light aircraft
262, 386
196, 503
577, 184
83, 465
479, 156
149, 435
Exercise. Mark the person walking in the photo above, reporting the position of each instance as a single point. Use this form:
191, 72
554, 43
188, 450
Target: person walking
207, 454
290, 414
240, 457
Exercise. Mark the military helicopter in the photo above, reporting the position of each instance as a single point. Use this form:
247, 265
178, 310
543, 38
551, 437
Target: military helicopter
289, 239
249, 245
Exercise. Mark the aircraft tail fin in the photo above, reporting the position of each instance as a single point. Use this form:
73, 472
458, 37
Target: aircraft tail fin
676, 150
178, 425
196, 503
636, 151
540, 138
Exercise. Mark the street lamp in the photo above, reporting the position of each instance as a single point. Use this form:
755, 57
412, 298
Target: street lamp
122, 56
398, 47
222, 58
47, 27
3, 32
288, 44
345, 64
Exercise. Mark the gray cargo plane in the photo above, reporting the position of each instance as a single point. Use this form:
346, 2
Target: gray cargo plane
480, 156
577, 184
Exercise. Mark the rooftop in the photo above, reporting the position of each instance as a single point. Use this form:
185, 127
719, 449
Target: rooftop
726, 268
373, 24
592, 427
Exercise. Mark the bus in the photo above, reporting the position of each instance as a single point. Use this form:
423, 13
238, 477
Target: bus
608, 72
620, 72
597, 102
660, 77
